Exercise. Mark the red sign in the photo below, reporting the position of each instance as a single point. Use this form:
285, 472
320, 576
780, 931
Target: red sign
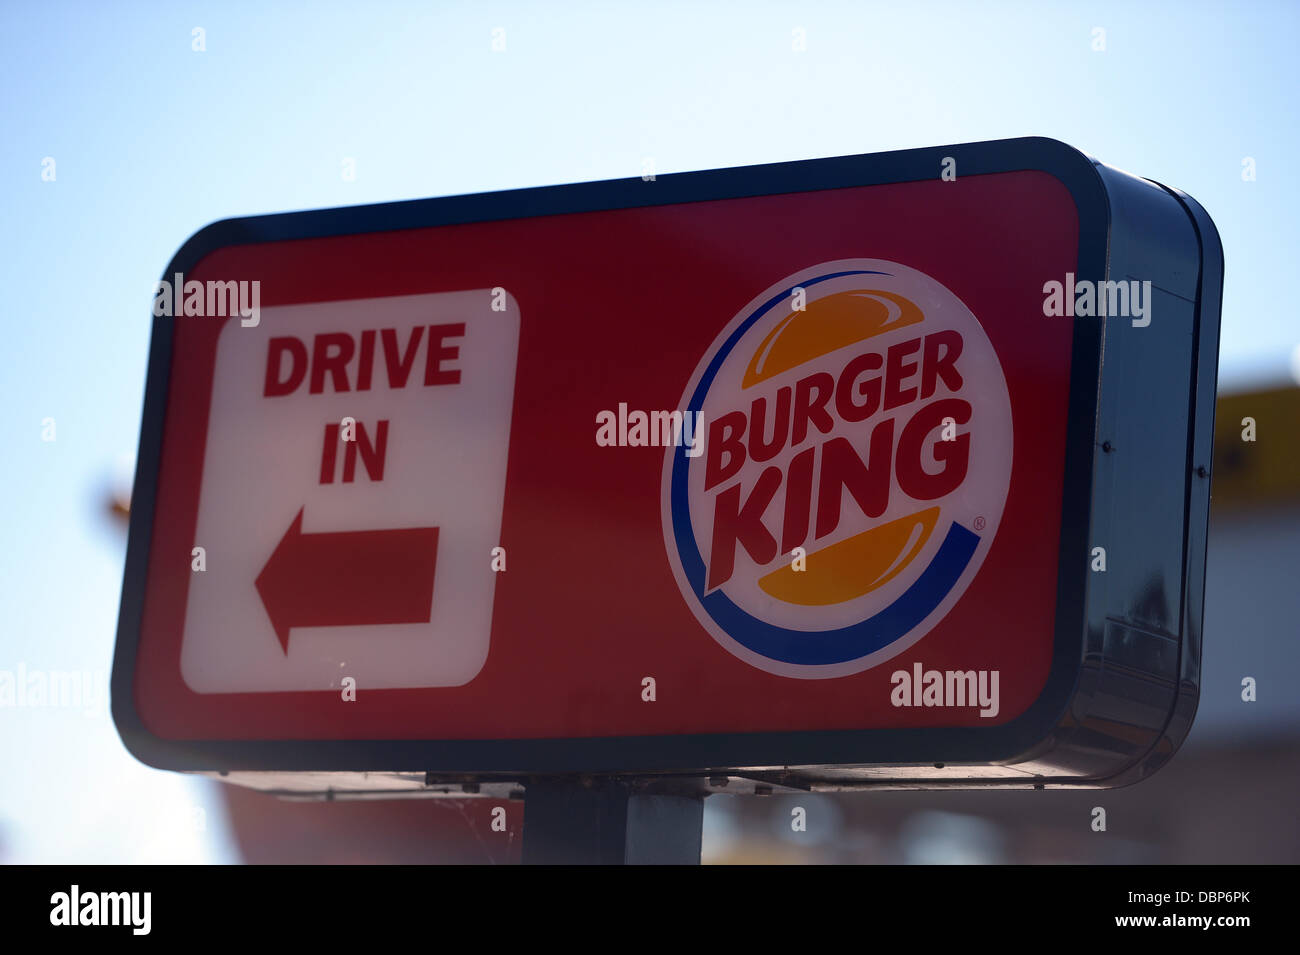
774, 463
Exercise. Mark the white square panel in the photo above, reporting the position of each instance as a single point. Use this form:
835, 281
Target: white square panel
444, 467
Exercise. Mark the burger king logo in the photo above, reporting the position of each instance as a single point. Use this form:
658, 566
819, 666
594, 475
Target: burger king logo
857, 453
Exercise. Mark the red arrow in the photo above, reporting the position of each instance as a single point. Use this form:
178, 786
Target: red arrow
348, 579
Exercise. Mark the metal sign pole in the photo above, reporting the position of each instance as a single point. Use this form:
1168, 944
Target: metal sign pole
571, 822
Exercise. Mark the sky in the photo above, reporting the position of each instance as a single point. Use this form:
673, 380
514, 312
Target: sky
152, 139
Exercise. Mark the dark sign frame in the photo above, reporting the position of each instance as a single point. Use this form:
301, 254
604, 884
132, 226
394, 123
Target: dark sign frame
1121, 690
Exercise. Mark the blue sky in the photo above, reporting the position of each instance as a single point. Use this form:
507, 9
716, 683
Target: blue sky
153, 140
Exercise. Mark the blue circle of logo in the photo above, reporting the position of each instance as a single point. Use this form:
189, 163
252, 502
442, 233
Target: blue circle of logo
804, 647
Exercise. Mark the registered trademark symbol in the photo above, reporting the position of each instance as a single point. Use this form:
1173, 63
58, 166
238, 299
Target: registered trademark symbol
979, 523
